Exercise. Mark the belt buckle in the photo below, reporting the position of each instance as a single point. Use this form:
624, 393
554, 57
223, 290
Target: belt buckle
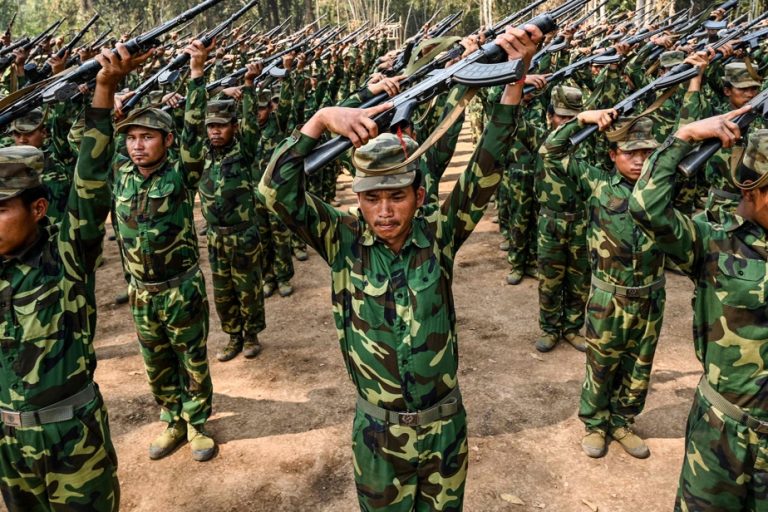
11, 418
407, 418
633, 292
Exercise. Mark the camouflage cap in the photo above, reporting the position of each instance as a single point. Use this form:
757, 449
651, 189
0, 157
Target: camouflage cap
263, 98
753, 171
20, 169
633, 133
671, 59
377, 163
567, 101
148, 117
29, 122
220, 112
737, 75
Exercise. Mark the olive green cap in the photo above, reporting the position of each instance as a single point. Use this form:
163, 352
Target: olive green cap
148, 117
671, 59
567, 101
20, 169
379, 163
220, 112
753, 173
263, 98
737, 74
633, 133
29, 122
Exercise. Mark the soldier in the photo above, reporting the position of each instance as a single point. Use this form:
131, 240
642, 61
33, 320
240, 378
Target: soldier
562, 244
55, 450
227, 194
726, 259
392, 263
626, 302
154, 210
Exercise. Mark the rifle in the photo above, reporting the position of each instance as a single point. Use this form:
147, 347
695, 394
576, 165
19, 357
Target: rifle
278, 28
346, 39
66, 86
134, 29
181, 60
484, 67
559, 42
8, 49
10, 24
677, 75
698, 157
8, 59
45, 71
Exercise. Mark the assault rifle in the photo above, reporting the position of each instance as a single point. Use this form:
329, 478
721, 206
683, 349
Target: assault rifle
484, 67
350, 37
698, 157
182, 59
36, 75
8, 49
64, 87
10, 24
675, 76
8, 59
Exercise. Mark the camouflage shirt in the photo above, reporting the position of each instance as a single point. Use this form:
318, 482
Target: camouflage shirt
728, 263
620, 252
155, 221
47, 300
393, 312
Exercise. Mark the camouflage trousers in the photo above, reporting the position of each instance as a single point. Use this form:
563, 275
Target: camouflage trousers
66, 466
172, 327
725, 464
277, 264
622, 334
563, 272
58, 190
401, 468
237, 287
520, 207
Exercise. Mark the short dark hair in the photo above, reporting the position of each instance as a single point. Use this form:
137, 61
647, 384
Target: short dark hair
30, 195
416, 180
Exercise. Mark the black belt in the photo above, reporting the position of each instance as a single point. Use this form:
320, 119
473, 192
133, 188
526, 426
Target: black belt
445, 408
230, 230
159, 286
569, 216
62, 410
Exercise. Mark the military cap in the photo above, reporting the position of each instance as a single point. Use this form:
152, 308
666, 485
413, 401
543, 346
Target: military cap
671, 59
29, 122
379, 164
753, 171
633, 133
566, 101
715, 25
263, 97
220, 112
737, 75
148, 117
20, 168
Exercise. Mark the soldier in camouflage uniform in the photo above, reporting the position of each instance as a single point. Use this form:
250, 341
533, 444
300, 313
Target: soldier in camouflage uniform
562, 244
626, 302
724, 467
227, 196
154, 199
55, 450
392, 267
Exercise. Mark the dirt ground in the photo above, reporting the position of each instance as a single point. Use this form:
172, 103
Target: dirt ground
283, 420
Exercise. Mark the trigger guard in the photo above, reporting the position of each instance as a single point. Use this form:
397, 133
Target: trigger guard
487, 75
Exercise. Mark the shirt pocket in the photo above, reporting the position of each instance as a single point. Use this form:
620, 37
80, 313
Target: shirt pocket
740, 282
161, 198
370, 300
37, 312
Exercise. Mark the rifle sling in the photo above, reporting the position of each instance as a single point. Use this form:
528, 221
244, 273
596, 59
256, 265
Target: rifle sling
751, 69
436, 135
621, 132
441, 44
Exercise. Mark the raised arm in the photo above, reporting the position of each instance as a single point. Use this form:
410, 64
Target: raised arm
192, 148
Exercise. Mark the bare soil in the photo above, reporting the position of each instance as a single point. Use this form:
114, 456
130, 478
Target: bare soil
283, 420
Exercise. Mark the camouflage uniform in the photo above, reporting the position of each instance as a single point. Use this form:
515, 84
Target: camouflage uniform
47, 325
725, 438
562, 245
626, 302
228, 203
157, 237
396, 322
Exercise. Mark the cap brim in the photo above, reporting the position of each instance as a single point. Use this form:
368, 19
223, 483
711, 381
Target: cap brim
748, 83
122, 128
383, 182
23, 129
566, 112
634, 145
6, 193
217, 120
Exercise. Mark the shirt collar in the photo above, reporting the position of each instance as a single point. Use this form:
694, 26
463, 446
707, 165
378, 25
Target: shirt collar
32, 255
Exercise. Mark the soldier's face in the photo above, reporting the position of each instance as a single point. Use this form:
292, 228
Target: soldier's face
630, 163
390, 213
18, 224
739, 96
34, 138
221, 134
263, 114
147, 147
